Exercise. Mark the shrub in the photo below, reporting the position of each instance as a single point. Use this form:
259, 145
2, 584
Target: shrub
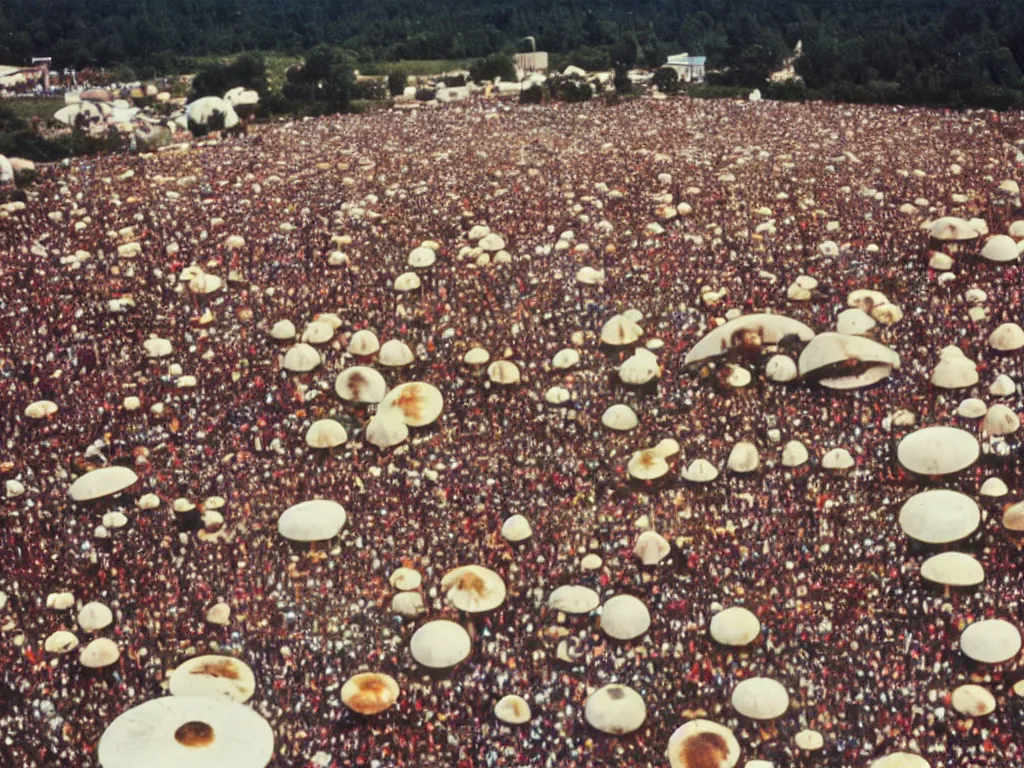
532, 95
396, 83
666, 79
492, 67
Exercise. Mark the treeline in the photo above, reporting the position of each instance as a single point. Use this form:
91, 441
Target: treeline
920, 51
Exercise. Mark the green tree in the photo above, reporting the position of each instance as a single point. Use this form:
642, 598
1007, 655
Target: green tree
323, 81
623, 84
532, 95
666, 80
396, 83
492, 67
591, 59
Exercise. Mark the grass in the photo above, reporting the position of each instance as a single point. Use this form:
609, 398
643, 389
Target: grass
28, 107
279, 63
416, 67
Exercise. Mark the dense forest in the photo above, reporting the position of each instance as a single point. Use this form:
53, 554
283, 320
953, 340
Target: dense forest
930, 51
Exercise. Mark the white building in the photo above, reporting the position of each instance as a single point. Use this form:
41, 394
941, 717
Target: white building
532, 62
689, 68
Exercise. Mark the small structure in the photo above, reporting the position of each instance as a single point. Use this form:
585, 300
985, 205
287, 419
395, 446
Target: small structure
531, 62
689, 68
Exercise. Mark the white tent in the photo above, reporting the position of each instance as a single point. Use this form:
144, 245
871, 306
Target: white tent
101, 652
735, 626
361, 384
214, 677
744, 457
1008, 337
954, 569
809, 740
1001, 249
440, 644
624, 617
395, 354
405, 579
640, 368
474, 589
565, 359
900, 760
973, 700
176, 731
99, 483
503, 372
557, 395
210, 113
386, 430
316, 520
422, 257
701, 744
326, 434
781, 369
318, 332
301, 358
837, 458
854, 322
574, 599
414, 403
616, 709
370, 693
647, 465
407, 281
951, 228
283, 330
700, 471
938, 450
972, 408
156, 347
363, 343
620, 331
760, 698
513, 710
95, 616
747, 331
40, 409
620, 417
476, 356
1000, 420
794, 454
60, 642
846, 362
651, 547
516, 528
991, 641
939, 516
955, 373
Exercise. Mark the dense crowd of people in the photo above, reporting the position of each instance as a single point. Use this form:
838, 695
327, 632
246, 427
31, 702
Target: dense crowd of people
867, 650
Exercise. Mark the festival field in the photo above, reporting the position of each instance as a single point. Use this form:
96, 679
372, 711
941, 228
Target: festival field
694, 424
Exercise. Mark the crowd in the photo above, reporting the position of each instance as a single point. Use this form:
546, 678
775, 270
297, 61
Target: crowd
867, 650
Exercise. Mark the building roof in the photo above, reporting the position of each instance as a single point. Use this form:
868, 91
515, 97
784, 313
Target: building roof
687, 61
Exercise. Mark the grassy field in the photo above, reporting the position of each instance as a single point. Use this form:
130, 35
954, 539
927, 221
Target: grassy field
416, 66
27, 108
278, 64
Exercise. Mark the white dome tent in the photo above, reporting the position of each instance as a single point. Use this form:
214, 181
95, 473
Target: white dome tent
187, 731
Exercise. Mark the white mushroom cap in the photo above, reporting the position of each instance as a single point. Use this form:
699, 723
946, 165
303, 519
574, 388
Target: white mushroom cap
1003, 386
513, 709
972, 408
516, 528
